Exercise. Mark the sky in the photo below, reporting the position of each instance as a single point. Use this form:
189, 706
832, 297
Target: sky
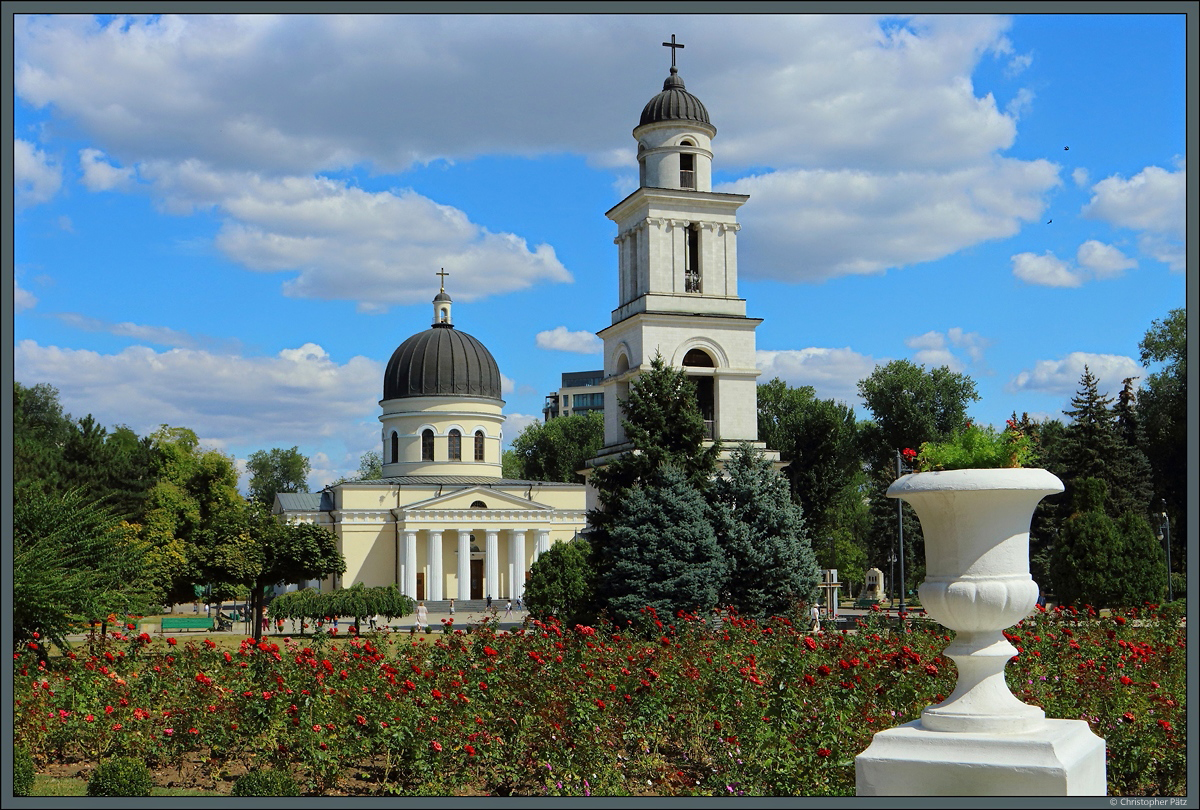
229, 223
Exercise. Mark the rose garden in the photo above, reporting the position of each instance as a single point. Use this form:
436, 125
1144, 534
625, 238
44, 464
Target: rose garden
684, 705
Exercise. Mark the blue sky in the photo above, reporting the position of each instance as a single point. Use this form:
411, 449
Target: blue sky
229, 223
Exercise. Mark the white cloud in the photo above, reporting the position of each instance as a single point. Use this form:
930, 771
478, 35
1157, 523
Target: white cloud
1080, 177
562, 340
934, 349
100, 175
1094, 261
36, 175
880, 145
158, 335
22, 299
514, 424
297, 396
1061, 377
1152, 202
507, 386
344, 243
1047, 270
1104, 261
832, 373
812, 225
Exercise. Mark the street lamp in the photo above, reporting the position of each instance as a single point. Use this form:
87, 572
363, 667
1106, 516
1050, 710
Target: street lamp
1164, 532
901, 468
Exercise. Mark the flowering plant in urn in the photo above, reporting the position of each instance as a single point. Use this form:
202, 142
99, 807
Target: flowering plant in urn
976, 525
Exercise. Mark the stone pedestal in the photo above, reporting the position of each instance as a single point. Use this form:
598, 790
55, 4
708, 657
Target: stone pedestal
1059, 758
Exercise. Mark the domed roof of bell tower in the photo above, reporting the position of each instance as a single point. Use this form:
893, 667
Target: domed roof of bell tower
674, 103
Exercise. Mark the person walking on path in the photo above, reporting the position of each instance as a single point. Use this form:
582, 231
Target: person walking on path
815, 615
508, 609
451, 607
422, 616
489, 601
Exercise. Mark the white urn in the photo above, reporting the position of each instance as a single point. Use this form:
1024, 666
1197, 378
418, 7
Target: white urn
976, 529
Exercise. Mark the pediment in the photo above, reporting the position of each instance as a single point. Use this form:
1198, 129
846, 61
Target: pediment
463, 498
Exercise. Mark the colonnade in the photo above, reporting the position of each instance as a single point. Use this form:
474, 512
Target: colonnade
435, 580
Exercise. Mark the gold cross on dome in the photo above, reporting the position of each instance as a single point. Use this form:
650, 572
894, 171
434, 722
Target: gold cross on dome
443, 274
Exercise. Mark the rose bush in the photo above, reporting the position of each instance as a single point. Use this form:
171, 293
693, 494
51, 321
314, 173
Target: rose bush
683, 705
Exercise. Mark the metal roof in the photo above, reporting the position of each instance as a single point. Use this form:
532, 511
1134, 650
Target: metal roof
441, 361
674, 103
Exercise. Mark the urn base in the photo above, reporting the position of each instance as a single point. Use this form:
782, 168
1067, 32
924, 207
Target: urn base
1059, 758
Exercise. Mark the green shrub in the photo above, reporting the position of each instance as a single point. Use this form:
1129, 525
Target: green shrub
123, 776
266, 783
978, 448
22, 771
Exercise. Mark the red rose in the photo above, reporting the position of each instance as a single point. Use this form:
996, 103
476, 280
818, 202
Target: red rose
436, 746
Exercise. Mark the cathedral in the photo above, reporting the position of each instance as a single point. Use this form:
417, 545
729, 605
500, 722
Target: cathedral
443, 522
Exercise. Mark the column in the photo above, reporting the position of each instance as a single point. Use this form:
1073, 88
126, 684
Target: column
543, 541
435, 566
464, 564
409, 586
516, 549
491, 564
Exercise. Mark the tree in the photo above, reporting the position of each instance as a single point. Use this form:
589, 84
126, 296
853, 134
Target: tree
661, 550
663, 423
71, 564
820, 440
555, 450
1162, 408
250, 548
909, 406
370, 466
1092, 447
40, 431
1102, 561
562, 583
277, 470
769, 562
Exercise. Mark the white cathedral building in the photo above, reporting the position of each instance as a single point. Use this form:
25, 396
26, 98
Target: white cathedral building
442, 522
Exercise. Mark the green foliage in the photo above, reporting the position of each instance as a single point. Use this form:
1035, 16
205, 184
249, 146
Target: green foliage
660, 551
1162, 413
359, 601
122, 776
562, 583
664, 425
267, 782
70, 564
769, 562
978, 448
819, 438
555, 450
1105, 562
277, 470
22, 771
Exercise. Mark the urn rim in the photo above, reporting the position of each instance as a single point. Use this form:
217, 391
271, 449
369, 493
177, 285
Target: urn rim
1028, 479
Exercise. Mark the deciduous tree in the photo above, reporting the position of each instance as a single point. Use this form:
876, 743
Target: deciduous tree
277, 470
562, 583
555, 450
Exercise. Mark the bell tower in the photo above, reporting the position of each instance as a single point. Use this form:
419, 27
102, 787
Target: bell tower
677, 269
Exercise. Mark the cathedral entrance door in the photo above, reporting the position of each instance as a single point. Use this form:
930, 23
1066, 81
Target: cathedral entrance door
476, 579
420, 586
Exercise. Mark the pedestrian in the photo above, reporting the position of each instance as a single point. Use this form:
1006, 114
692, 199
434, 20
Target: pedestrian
451, 607
489, 601
815, 615
422, 616
519, 604
508, 609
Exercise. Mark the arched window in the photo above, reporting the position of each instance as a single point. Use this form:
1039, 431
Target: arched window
455, 445
698, 358
427, 445
687, 170
477, 505
691, 259
395, 454
479, 445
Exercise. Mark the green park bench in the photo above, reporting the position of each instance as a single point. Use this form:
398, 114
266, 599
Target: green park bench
187, 623
864, 603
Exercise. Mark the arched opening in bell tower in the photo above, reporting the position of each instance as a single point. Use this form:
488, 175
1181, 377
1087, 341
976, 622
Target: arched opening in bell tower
705, 388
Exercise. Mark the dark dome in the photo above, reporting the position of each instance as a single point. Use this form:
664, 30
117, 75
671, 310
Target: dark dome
674, 103
441, 362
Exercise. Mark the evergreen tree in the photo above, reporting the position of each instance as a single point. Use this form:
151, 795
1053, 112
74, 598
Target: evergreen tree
1162, 408
664, 425
661, 550
562, 583
769, 561
1105, 562
1092, 447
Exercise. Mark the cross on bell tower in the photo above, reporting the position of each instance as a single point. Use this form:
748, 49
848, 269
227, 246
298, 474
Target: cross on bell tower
673, 47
